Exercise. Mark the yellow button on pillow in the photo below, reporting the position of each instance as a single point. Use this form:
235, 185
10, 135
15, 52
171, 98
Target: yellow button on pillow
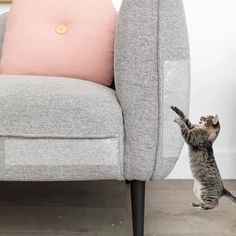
61, 28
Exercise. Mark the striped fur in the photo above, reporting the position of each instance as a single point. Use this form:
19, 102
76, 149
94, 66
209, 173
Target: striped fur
208, 184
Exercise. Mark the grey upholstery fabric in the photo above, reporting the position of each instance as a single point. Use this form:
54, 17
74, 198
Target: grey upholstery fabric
59, 129
151, 73
68, 129
3, 20
57, 107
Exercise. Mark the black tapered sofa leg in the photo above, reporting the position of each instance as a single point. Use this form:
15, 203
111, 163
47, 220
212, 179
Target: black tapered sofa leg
138, 206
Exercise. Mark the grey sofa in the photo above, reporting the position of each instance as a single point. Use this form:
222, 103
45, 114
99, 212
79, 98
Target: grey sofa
61, 129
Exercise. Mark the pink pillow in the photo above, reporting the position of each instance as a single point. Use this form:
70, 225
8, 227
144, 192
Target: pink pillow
68, 38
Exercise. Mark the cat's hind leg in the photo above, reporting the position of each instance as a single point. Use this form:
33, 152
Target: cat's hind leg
209, 201
196, 190
204, 205
208, 206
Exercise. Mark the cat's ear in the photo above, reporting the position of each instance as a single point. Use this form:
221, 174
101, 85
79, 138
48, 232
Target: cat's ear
215, 119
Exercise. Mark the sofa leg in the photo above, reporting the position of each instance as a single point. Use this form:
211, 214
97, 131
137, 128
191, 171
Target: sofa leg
138, 205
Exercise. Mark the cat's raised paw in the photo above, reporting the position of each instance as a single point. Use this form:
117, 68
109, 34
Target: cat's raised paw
177, 120
178, 112
174, 108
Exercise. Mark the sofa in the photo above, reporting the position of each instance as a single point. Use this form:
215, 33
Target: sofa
65, 129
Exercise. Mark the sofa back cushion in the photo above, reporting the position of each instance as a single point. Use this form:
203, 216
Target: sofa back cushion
68, 38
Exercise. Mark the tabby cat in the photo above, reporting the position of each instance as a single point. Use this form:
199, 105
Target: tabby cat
208, 184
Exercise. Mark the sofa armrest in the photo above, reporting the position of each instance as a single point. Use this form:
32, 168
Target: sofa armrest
151, 73
3, 21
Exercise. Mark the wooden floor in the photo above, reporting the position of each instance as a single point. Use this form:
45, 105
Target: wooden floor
103, 209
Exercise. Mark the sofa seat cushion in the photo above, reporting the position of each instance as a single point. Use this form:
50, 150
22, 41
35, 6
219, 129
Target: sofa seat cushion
57, 107
59, 129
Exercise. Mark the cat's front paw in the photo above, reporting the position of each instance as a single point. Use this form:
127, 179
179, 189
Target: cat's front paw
175, 109
178, 112
178, 121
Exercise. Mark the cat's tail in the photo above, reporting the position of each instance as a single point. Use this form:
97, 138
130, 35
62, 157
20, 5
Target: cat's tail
229, 195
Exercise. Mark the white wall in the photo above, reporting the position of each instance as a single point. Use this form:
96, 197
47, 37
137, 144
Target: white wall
211, 25
212, 34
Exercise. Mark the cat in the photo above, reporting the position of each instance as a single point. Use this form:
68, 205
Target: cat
208, 184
